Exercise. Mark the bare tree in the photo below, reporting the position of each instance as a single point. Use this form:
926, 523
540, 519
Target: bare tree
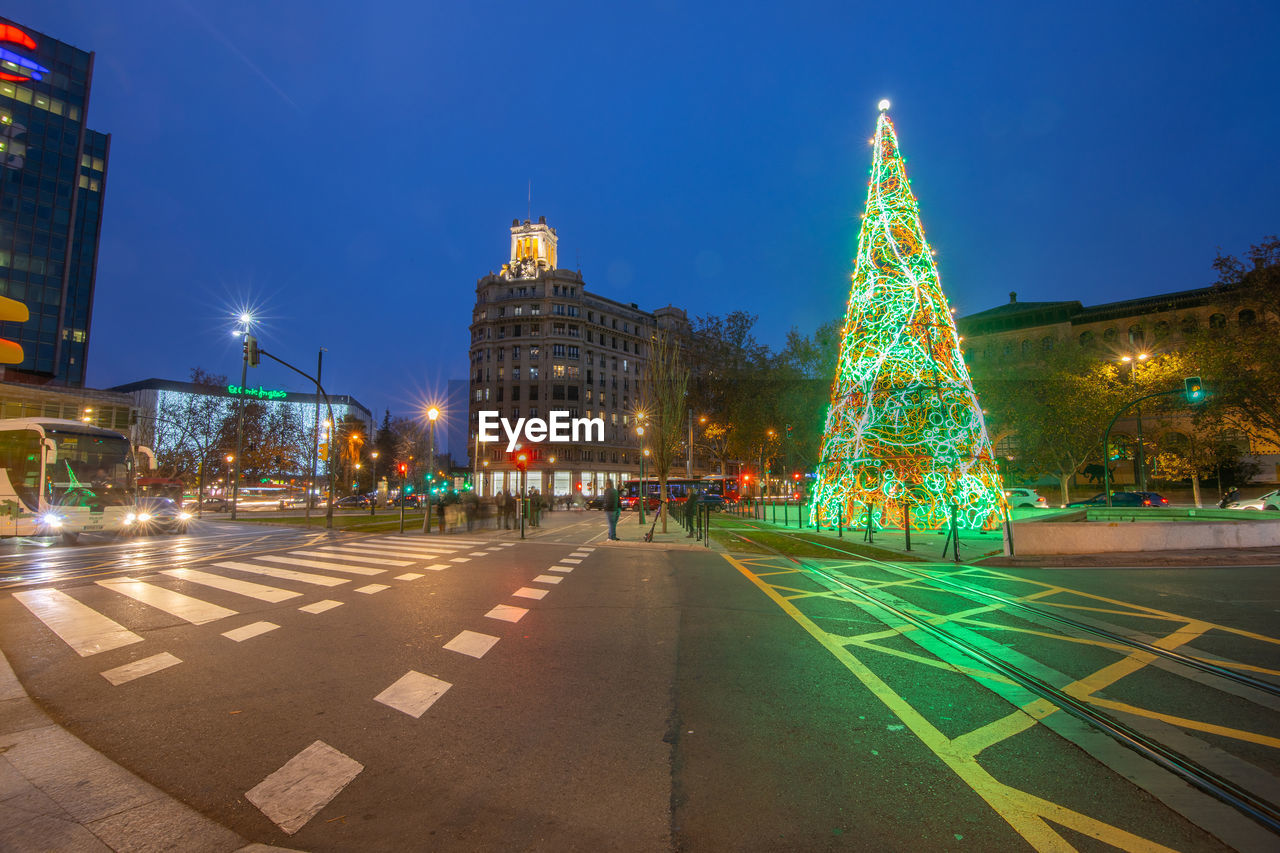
663, 392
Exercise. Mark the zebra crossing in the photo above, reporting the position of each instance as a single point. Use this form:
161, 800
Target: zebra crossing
276, 578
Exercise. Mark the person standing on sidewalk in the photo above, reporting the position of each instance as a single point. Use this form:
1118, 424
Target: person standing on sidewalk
535, 507
612, 508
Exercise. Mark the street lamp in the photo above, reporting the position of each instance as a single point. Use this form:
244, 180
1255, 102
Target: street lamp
373, 475
230, 458
1139, 466
644, 490
432, 414
246, 319
357, 483
87, 416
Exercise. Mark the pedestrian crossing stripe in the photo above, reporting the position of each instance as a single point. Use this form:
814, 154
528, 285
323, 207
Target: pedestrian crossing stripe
249, 631
344, 550
138, 668
239, 587
377, 561
320, 606
283, 574
81, 627
193, 610
316, 564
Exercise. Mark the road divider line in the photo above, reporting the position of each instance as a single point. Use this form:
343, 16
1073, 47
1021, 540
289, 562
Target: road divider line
124, 674
413, 693
316, 564
320, 606
547, 579
249, 631
472, 643
193, 610
308, 782
507, 613
247, 588
529, 592
570, 561
81, 627
284, 574
565, 569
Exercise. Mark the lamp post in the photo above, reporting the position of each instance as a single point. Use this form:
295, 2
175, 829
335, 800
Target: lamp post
356, 486
1139, 466
247, 319
432, 414
644, 490
230, 458
373, 502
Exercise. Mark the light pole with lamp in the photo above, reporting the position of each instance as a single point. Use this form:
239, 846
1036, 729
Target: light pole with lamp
230, 458
644, 489
373, 502
356, 485
247, 319
432, 414
1139, 466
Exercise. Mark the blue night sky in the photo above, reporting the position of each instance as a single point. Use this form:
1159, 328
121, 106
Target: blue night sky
350, 170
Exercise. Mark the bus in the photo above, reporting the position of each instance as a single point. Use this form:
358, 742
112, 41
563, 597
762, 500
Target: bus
61, 477
678, 490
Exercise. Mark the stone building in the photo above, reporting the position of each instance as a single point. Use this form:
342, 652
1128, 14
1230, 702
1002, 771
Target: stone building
542, 342
1018, 333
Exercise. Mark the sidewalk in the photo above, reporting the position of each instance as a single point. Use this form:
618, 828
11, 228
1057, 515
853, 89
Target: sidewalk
584, 526
58, 793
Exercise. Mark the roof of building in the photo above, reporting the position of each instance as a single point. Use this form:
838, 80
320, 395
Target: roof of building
155, 384
1022, 315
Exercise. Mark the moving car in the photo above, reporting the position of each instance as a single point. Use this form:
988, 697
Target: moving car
1024, 497
1153, 499
1117, 499
1269, 501
216, 504
353, 501
160, 515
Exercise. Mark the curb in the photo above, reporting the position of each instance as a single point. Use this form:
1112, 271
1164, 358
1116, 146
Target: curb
59, 793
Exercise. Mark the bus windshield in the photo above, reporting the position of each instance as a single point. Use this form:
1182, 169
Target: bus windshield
89, 468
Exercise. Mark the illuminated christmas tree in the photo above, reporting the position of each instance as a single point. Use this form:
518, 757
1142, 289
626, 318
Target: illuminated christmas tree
904, 425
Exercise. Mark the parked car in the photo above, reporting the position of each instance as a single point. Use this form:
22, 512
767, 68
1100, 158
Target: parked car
1117, 499
407, 500
353, 502
216, 504
1024, 497
596, 502
1269, 501
163, 515
1153, 499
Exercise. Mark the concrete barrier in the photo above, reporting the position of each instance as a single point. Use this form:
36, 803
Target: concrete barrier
1031, 538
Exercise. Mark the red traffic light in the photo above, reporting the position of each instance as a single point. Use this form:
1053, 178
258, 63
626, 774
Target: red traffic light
795, 476
403, 468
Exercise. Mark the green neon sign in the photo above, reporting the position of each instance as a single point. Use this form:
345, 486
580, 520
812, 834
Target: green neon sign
259, 392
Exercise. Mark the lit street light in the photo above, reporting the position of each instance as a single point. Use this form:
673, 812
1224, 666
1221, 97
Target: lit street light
432, 414
644, 490
246, 319
373, 484
1139, 466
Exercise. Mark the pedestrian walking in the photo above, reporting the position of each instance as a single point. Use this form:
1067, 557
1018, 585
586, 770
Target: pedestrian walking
508, 507
535, 507
612, 508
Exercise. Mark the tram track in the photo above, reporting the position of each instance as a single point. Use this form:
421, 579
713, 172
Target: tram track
1213, 784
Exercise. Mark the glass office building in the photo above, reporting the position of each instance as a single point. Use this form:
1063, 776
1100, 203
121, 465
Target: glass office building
52, 186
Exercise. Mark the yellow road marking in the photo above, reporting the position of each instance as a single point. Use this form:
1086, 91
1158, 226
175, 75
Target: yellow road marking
1025, 813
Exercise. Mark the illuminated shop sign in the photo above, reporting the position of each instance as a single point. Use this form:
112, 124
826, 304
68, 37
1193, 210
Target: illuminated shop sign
259, 392
16, 67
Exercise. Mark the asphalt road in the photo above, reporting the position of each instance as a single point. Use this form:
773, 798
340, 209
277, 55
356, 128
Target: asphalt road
400, 693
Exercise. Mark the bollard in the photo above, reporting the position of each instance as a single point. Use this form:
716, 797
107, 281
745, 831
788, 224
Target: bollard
906, 523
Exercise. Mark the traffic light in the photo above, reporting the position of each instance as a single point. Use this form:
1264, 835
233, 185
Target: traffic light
403, 468
522, 460
324, 451
796, 476
251, 350
1195, 389
12, 311
788, 430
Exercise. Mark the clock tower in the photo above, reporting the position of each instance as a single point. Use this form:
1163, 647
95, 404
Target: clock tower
533, 249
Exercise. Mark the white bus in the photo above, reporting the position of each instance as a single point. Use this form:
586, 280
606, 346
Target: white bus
63, 478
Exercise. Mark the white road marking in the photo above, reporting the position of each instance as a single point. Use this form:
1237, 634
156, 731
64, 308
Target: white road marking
565, 569
478, 554
587, 548
507, 613
253, 590
436, 567
321, 606
316, 564
429, 540
408, 576
526, 592
570, 561
413, 694
580, 554
284, 574
472, 643
377, 561
185, 607
296, 792
460, 560
368, 551
139, 668
505, 544
372, 588
242, 634
81, 627
547, 579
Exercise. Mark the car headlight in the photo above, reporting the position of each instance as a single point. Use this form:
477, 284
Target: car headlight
131, 518
50, 519
184, 516
144, 517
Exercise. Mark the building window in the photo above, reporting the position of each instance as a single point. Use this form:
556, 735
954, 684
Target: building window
557, 392
534, 353
1046, 344
533, 373
557, 371
1086, 339
1247, 317
1136, 335
557, 350
515, 374
1218, 321
515, 354
1109, 336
